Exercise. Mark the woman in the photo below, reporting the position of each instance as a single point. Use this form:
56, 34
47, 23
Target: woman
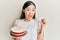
34, 27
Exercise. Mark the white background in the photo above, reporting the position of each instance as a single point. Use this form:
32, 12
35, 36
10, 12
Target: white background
50, 9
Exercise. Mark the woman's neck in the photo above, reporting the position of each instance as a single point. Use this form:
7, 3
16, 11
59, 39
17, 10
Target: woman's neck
27, 20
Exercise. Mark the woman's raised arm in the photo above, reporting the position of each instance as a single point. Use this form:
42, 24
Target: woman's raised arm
41, 33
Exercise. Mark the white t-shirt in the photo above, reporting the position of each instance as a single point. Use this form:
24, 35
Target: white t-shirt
32, 28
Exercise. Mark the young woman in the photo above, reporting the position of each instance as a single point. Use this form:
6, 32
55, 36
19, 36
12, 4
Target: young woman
34, 27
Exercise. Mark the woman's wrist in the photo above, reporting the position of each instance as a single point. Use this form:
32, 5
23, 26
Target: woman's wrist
42, 27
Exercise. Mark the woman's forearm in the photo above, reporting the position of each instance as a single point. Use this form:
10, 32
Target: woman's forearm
41, 34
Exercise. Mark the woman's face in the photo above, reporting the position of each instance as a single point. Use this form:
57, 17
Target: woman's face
29, 12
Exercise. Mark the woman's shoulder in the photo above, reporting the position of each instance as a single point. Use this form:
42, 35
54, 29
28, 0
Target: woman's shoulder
18, 20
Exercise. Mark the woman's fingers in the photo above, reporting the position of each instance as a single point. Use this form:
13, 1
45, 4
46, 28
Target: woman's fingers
17, 38
43, 22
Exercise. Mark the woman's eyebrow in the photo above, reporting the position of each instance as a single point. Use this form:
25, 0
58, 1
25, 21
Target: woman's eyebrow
34, 8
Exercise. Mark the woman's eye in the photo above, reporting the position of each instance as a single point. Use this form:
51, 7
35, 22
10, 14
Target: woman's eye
33, 10
27, 10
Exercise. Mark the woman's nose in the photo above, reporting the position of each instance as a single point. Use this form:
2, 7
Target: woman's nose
30, 12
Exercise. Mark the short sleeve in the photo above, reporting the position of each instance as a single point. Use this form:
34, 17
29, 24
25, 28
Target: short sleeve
16, 22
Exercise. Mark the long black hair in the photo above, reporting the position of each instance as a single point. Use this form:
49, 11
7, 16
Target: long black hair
28, 3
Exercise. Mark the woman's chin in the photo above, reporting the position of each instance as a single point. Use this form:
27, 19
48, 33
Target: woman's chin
30, 19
